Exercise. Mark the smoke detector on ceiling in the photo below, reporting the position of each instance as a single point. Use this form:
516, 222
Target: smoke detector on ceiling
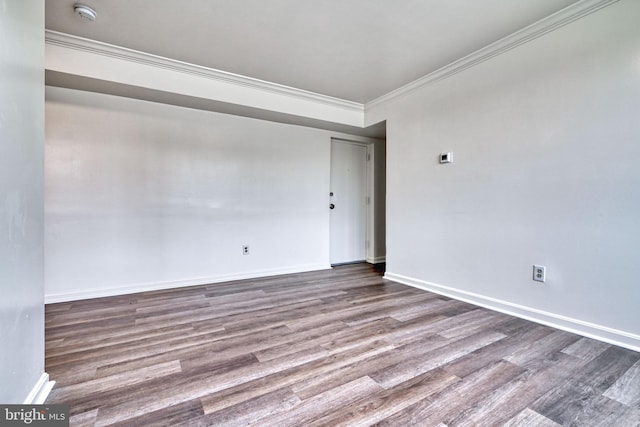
85, 12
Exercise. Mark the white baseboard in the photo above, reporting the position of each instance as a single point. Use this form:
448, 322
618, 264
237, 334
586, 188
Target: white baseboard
40, 391
377, 260
590, 330
144, 287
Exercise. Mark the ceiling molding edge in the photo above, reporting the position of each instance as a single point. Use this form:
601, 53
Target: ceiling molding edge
537, 29
69, 41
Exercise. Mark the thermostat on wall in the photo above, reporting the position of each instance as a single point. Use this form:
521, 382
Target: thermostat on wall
446, 158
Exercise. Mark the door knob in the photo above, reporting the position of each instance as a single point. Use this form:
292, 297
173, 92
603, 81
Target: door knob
332, 206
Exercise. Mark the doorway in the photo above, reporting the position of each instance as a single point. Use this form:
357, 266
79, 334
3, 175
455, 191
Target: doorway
349, 198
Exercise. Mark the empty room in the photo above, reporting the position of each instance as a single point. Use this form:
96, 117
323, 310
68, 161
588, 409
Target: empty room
320, 213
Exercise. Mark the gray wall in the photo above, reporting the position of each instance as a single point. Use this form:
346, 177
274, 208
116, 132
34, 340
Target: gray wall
380, 199
21, 197
546, 143
142, 195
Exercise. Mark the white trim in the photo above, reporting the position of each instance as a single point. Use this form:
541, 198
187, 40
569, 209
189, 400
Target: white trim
40, 391
351, 113
156, 286
377, 260
82, 44
371, 203
537, 29
587, 329
370, 193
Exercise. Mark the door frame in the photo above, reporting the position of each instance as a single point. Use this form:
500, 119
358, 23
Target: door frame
369, 242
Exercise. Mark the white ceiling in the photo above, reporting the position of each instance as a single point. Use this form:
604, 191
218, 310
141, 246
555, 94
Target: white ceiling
356, 50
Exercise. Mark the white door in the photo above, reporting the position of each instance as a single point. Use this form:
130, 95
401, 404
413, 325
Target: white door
348, 202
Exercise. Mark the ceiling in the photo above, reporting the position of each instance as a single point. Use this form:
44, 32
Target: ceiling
356, 50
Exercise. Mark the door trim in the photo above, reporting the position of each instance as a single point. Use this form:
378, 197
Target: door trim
370, 194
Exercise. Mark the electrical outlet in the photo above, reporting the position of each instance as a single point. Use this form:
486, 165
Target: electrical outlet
539, 273
245, 250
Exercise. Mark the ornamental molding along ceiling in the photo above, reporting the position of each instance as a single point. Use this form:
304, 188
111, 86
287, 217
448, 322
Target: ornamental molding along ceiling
551, 23
537, 29
68, 41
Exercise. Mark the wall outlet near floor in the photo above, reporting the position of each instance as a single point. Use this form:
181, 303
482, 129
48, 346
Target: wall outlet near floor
245, 250
539, 273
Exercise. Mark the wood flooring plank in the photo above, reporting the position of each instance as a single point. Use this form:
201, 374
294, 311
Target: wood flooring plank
90, 327
529, 418
586, 349
362, 334
168, 308
182, 354
571, 397
133, 338
368, 294
393, 356
275, 316
52, 309
383, 307
178, 296
217, 340
72, 317
435, 321
486, 355
384, 403
65, 376
506, 401
84, 419
311, 409
166, 417
54, 343
214, 362
291, 376
236, 341
250, 411
542, 347
350, 313
400, 372
294, 343
98, 385
600, 411
453, 400
627, 388
342, 346
247, 297
197, 386
489, 320
414, 311
206, 313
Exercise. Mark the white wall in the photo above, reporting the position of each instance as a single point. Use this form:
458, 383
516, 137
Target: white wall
142, 195
21, 200
380, 197
546, 142
102, 62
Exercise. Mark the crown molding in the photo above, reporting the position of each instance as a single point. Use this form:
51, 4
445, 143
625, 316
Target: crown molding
69, 41
537, 29
552, 22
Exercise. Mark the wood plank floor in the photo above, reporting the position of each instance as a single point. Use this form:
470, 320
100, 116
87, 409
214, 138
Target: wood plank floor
330, 348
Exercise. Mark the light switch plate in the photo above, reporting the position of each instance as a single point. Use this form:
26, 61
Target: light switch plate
446, 157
